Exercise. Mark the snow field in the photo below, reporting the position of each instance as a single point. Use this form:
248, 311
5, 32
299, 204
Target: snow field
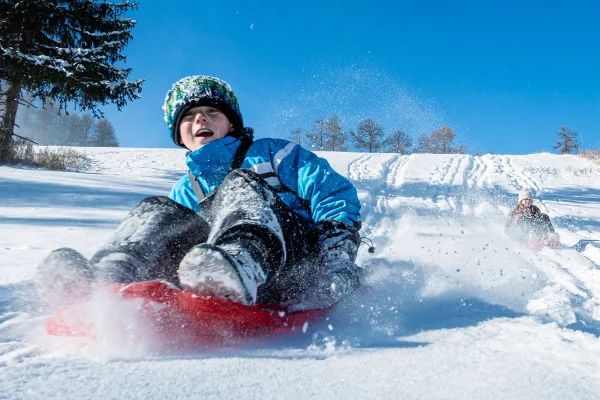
447, 297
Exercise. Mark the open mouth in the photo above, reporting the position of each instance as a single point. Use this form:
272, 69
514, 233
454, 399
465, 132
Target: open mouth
203, 133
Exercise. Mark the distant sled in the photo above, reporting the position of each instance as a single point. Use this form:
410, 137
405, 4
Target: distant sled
580, 246
182, 320
552, 242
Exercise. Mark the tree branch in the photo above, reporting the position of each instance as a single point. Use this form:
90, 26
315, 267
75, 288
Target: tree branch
24, 138
24, 102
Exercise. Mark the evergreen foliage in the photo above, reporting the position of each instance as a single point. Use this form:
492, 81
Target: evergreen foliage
62, 52
567, 141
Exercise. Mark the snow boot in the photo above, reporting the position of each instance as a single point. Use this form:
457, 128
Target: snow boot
63, 277
230, 271
245, 244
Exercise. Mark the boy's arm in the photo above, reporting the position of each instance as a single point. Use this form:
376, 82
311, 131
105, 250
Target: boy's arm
335, 209
546, 223
330, 195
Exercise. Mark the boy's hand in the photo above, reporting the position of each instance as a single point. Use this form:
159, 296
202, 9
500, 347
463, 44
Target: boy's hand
339, 275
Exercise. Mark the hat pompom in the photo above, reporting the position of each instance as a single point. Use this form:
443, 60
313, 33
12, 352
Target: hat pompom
525, 194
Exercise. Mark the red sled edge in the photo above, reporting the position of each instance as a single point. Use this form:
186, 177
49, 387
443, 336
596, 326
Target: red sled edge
182, 316
538, 245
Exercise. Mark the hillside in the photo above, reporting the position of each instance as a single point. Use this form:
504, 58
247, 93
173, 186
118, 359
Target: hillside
447, 298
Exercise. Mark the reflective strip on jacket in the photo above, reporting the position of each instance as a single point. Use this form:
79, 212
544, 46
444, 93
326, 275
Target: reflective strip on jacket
304, 181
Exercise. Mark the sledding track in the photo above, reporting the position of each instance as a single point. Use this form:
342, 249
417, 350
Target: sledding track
462, 193
442, 269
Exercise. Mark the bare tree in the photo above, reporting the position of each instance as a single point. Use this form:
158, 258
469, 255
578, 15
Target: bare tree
46, 126
318, 135
80, 129
296, 136
87, 124
567, 141
336, 137
369, 136
424, 143
440, 141
399, 142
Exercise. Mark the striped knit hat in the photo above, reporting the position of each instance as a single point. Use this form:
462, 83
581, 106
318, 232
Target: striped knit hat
200, 90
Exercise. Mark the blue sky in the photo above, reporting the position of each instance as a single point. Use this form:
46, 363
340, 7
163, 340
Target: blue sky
505, 75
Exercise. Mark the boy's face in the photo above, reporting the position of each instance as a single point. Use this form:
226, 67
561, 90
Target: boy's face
526, 203
201, 125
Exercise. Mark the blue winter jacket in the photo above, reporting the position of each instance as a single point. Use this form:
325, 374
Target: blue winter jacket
305, 182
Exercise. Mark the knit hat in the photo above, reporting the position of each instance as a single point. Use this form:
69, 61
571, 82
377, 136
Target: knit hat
525, 194
200, 90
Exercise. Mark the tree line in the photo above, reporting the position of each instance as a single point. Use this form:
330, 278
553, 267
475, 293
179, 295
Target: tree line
326, 134
50, 126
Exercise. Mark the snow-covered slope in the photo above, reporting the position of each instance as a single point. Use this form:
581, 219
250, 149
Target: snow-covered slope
450, 308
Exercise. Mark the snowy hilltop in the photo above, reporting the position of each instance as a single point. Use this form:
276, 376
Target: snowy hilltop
450, 307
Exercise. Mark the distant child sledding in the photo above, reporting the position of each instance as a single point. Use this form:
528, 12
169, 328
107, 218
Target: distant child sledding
528, 225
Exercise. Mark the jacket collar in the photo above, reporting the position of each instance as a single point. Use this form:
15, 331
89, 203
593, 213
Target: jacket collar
213, 156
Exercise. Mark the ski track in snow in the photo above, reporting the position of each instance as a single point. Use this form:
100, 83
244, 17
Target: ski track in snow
443, 276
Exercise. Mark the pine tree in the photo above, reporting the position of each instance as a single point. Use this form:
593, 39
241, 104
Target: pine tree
318, 135
399, 142
369, 136
567, 141
63, 51
104, 135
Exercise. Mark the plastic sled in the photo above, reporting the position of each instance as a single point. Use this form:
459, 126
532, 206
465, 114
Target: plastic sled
182, 319
552, 242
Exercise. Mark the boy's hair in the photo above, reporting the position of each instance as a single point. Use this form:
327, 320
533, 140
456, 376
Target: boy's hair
195, 91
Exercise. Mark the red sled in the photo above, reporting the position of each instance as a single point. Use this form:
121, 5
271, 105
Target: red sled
181, 320
552, 242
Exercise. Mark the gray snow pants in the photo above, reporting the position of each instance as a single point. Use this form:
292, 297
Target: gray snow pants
152, 240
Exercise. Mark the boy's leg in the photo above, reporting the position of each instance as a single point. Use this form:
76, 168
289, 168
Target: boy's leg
149, 243
246, 243
63, 277
259, 250
301, 268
